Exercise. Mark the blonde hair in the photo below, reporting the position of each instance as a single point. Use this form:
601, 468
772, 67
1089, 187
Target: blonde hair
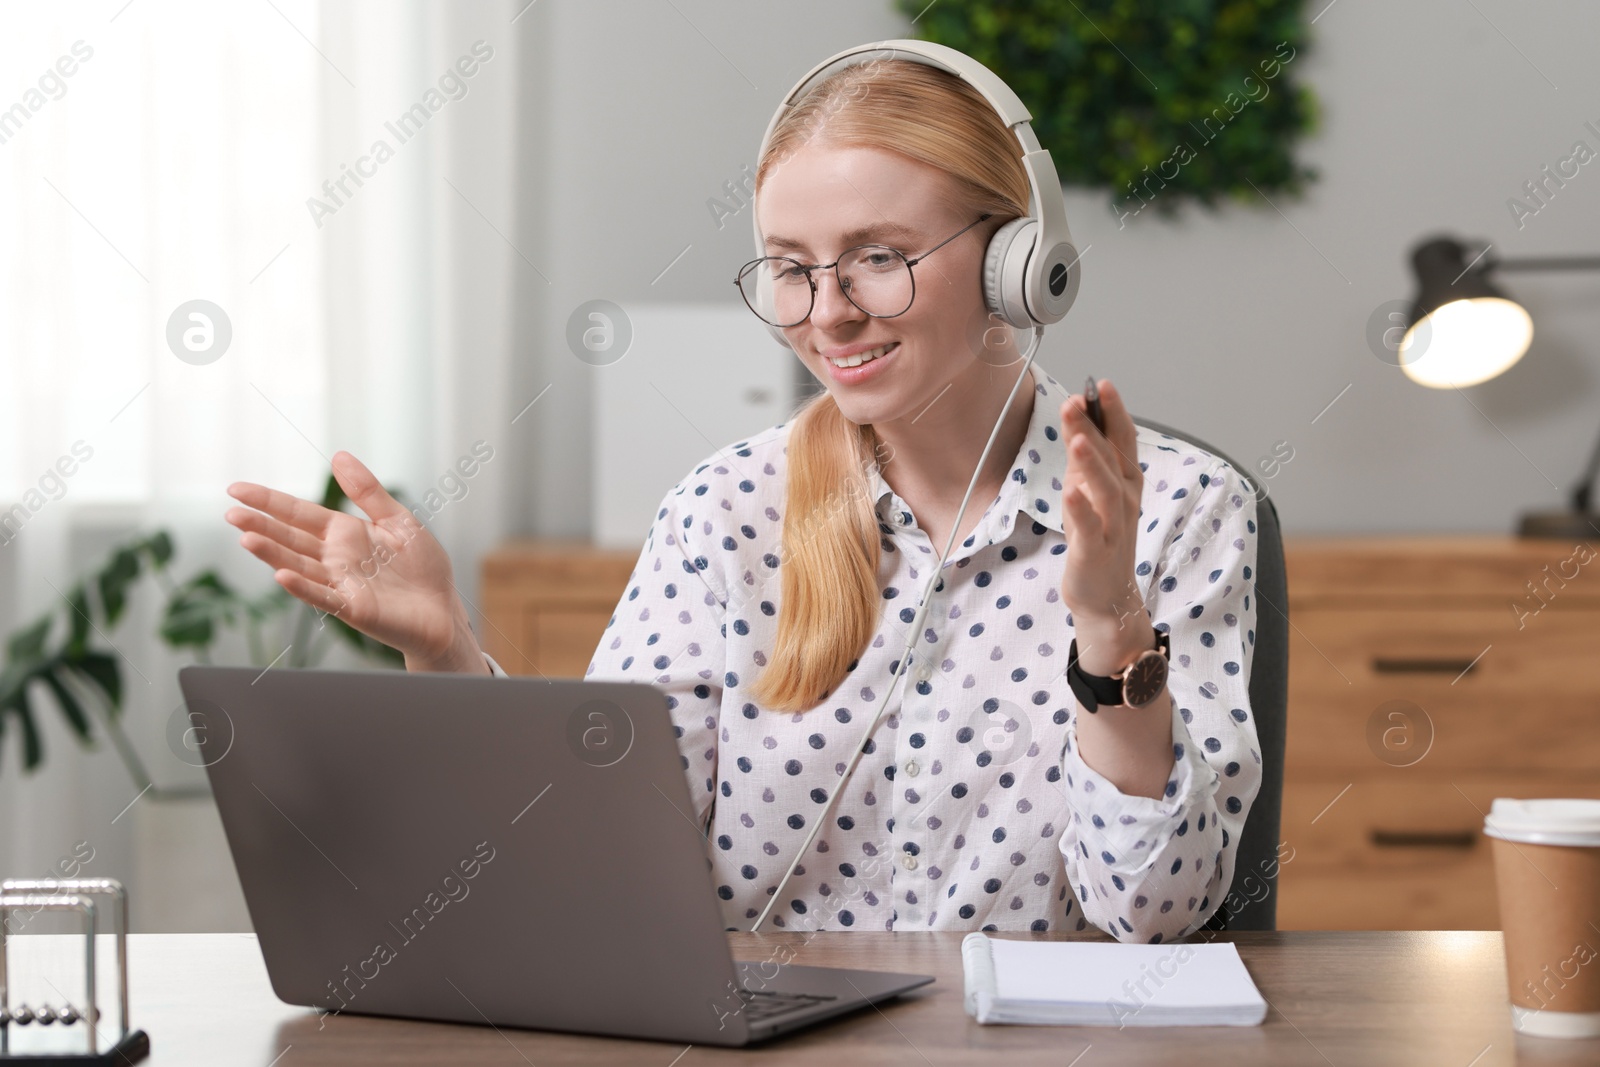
831, 553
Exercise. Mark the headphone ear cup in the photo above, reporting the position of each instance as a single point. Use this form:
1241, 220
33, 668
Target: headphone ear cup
1004, 270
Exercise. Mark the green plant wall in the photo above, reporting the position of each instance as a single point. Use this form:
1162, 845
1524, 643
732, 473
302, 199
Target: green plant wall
1158, 101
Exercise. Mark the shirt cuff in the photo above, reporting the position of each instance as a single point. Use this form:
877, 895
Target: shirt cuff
1132, 829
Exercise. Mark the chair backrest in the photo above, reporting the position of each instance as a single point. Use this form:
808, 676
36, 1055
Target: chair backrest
1252, 900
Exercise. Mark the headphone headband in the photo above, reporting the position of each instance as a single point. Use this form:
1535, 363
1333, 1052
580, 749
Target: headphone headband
1031, 272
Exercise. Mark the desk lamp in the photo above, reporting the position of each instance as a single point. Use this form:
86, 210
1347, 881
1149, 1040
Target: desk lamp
1466, 330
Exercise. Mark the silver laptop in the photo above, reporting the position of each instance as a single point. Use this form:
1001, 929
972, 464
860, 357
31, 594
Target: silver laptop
486, 850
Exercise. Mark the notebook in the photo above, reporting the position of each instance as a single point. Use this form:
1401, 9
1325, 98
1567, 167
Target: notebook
1088, 983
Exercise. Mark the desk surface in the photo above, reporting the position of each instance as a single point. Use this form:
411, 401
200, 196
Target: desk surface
1337, 998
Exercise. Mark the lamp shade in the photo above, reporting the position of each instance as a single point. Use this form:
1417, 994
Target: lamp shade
1463, 329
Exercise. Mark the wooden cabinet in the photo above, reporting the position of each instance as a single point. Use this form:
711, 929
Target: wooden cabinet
1427, 676
546, 603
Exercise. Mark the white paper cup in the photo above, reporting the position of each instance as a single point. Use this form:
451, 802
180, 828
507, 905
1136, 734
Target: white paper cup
1547, 874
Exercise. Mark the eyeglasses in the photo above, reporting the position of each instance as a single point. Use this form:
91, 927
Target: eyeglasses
875, 278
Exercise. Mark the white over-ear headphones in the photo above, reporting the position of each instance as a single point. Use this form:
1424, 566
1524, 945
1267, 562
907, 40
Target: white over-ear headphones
1031, 271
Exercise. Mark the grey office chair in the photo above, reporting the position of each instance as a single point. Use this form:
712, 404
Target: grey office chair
1252, 900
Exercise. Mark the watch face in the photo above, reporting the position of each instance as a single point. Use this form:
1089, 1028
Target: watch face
1145, 680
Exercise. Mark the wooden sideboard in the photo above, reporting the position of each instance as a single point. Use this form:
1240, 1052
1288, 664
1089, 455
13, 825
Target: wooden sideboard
546, 604
1418, 692
1427, 676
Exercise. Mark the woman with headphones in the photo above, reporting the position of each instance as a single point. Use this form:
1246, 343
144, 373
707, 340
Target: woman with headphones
895, 713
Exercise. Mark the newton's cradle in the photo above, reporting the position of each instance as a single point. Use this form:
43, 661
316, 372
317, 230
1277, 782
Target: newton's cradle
30, 1033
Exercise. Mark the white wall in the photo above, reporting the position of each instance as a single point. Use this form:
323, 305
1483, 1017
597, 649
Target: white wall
1240, 326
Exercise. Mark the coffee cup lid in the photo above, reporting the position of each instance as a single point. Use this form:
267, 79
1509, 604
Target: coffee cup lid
1545, 821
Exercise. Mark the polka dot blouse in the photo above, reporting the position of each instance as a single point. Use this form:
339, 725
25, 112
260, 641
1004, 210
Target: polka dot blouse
971, 807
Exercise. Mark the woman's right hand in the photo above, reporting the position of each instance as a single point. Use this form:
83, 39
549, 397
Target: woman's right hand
388, 577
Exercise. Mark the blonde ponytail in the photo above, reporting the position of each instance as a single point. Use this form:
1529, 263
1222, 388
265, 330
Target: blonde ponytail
829, 570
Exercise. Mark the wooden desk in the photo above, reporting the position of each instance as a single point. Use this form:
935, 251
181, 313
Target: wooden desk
1337, 998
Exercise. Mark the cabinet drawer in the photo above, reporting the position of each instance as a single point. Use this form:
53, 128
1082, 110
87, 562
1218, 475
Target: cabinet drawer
547, 603
1401, 851
1462, 899
1407, 571
1489, 694
566, 639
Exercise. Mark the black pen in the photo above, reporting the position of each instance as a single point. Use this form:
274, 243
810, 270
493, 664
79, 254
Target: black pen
1091, 396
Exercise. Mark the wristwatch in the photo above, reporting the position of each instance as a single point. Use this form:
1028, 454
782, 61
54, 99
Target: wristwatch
1135, 686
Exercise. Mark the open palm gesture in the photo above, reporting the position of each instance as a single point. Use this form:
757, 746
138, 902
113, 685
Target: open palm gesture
386, 575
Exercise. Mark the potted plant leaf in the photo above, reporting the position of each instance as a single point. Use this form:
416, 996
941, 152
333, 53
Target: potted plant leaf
66, 656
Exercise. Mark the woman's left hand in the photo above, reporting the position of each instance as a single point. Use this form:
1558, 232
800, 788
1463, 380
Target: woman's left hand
1100, 494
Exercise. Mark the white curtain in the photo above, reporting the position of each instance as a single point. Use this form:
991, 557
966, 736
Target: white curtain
163, 152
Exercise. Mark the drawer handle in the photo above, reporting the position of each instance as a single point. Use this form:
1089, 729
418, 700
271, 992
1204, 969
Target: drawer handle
1424, 838
1422, 665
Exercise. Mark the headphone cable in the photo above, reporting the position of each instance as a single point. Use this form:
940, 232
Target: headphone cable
916, 630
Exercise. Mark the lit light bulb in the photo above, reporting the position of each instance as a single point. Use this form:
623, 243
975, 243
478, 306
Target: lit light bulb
1466, 342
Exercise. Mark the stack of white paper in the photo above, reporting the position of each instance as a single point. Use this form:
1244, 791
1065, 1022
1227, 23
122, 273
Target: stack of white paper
1078, 983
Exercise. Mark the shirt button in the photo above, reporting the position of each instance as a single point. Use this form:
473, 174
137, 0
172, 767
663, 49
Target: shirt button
924, 673
912, 768
909, 862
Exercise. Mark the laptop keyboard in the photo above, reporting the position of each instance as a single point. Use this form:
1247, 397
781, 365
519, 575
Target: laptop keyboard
762, 1004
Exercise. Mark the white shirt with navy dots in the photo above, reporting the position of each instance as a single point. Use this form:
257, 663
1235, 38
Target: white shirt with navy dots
971, 807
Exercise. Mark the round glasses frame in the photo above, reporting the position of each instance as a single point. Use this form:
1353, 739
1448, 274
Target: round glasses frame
746, 270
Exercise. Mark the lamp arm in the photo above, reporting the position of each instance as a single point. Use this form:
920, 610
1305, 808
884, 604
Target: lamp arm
1583, 493
1544, 263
